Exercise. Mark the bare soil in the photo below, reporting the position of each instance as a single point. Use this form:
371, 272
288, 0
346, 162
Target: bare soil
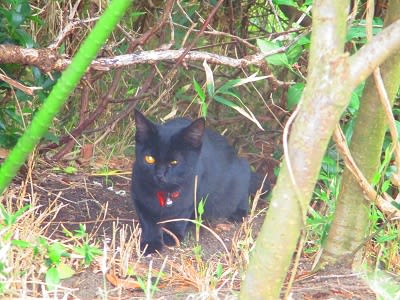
100, 202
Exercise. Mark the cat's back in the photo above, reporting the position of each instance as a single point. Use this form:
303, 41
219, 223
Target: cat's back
223, 178
217, 145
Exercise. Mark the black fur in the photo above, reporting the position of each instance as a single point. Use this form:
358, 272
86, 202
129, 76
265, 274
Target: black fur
224, 180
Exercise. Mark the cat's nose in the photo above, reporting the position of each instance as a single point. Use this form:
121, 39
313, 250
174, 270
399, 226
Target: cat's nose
160, 175
161, 179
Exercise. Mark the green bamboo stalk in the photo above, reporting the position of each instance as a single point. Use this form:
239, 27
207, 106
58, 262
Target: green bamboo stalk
61, 91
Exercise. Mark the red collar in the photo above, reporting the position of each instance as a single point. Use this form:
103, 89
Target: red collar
167, 198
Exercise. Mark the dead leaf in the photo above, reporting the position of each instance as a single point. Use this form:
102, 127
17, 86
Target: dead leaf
129, 283
3, 153
87, 152
223, 227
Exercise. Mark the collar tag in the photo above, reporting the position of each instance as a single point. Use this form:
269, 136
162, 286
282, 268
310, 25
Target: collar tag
169, 202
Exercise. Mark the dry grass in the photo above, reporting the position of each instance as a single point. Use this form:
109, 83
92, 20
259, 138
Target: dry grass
121, 264
184, 271
23, 267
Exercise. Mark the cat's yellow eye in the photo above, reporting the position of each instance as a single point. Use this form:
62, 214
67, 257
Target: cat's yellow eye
149, 159
173, 162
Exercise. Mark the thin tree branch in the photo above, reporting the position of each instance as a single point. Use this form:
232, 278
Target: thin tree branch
372, 54
383, 203
387, 107
145, 37
29, 90
203, 28
58, 63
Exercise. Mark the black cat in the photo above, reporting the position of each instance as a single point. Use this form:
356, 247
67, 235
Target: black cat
168, 158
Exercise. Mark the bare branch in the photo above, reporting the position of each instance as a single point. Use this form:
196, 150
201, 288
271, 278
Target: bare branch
371, 55
26, 89
67, 30
383, 203
45, 59
38, 57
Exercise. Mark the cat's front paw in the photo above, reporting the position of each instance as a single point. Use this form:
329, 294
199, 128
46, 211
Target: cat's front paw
151, 246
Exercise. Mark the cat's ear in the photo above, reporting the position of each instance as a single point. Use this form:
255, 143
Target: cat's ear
144, 127
193, 134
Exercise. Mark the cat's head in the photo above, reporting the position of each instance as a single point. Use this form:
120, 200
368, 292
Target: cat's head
167, 154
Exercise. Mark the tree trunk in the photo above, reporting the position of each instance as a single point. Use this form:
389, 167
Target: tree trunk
332, 77
350, 222
324, 99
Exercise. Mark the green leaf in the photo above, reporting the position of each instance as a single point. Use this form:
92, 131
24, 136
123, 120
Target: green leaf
329, 165
9, 219
81, 232
293, 53
70, 170
200, 208
65, 271
385, 238
202, 97
23, 7
24, 38
138, 13
395, 204
375, 179
11, 113
228, 85
21, 244
219, 271
199, 90
16, 19
22, 210
397, 123
52, 278
229, 93
51, 137
294, 95
304, 41
55, 252
88, 252
385, 186
358, 31
279, 59
242, 110
285, 2
225, 102
355, 98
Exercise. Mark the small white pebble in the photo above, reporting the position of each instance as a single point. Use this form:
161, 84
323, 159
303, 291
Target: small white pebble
121, 193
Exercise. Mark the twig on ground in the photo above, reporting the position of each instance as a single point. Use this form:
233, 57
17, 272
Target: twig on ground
170, 233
